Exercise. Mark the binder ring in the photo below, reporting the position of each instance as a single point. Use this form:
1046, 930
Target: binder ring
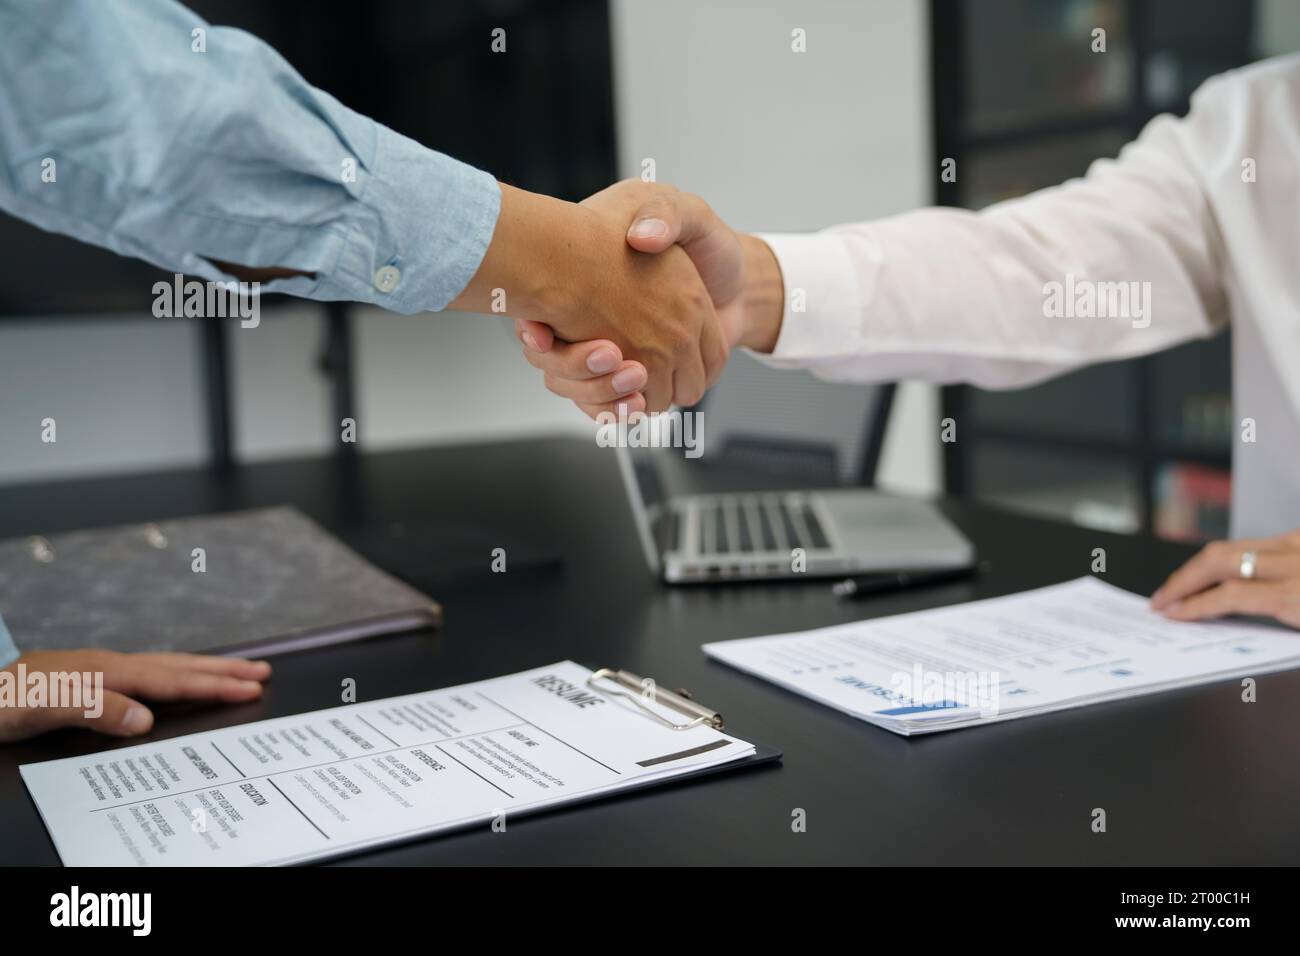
40, 549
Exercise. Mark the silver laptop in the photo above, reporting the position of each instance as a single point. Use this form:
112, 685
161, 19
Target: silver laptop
754, 535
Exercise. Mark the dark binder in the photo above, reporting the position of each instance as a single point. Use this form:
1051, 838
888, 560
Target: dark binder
271, 581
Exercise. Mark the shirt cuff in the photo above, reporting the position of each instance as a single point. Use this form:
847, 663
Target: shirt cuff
822, 316
424, 225
8, 649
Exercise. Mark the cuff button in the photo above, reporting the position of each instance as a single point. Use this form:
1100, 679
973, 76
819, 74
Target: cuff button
387, 277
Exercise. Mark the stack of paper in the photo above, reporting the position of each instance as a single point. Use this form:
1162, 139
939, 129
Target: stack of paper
1063, 646
345, 779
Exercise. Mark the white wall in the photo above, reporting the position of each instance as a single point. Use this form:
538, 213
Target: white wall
439, 377
1277, 27
280, 402
129, 394
450, 378
782, 141
122, 394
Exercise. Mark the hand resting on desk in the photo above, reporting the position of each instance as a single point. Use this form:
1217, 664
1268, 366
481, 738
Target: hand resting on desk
1256, 576
117, 679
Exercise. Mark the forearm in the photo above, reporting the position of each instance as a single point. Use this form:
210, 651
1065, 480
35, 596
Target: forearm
241, 162
988, 299
1124, 262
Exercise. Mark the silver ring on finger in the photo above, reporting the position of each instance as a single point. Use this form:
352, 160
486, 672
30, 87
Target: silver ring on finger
1248, 559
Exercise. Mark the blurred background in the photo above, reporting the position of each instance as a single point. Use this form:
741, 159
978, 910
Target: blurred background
854, 128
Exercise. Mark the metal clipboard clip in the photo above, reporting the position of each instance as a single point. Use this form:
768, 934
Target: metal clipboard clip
643, 689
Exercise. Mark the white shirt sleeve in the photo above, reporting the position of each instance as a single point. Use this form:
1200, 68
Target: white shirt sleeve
1028, 288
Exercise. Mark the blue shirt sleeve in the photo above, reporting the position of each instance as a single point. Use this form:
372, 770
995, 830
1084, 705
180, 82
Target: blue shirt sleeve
135, 125
8, 650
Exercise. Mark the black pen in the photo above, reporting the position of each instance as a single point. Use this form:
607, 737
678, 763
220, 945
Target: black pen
870, 584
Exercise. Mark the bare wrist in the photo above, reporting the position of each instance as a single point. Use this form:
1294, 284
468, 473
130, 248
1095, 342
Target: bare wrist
528, 267
764, 295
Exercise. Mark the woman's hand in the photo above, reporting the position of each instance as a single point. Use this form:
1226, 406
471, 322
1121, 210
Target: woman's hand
117, 680
1257, 576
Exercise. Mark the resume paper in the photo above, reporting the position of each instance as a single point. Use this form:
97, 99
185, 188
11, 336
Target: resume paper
1056, 647
302, 788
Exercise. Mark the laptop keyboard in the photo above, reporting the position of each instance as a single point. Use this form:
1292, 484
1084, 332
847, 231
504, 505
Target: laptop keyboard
743, 525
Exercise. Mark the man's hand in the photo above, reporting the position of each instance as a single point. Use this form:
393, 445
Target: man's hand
1212, 585
739, 271
162, 677
568, 266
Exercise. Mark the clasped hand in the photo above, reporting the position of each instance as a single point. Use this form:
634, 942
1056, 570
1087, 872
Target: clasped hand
679, 236
633, 297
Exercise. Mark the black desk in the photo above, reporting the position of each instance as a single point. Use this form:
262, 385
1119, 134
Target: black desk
1190, 777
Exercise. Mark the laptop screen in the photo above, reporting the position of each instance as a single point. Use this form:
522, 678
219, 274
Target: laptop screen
645, 491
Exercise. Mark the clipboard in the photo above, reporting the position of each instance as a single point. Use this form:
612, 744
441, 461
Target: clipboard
74, 823
624, 683
615, 682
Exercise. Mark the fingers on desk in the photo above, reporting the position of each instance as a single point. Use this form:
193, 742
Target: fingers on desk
170, 677
117, 716
1220, 561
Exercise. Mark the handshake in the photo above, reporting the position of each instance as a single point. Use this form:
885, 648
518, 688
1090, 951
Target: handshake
632, 298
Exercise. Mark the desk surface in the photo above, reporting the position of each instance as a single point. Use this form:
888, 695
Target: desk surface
1188, 777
